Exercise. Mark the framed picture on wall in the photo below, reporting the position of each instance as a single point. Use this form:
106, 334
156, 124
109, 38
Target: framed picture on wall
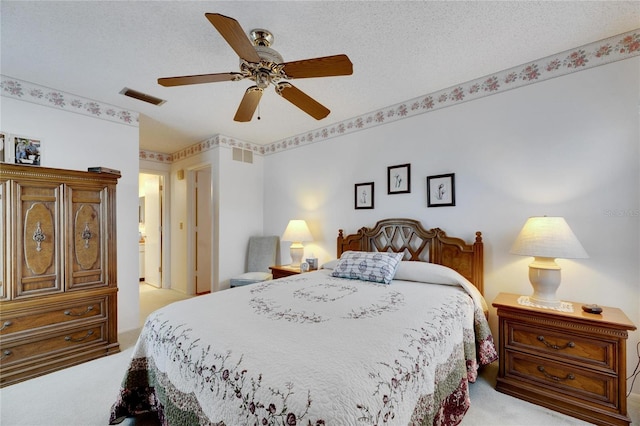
26, 150
364, 195
399, 179
441, 190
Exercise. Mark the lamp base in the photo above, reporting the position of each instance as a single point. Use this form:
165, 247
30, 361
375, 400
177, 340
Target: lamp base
537, 300
296, 251
544, 276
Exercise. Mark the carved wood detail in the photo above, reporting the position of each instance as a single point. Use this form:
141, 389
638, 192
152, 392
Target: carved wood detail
408, 236
551, 322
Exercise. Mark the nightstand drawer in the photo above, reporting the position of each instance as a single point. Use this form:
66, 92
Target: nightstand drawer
557, 343
567, 380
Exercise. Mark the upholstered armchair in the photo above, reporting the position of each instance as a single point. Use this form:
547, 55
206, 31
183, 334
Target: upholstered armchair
261, 254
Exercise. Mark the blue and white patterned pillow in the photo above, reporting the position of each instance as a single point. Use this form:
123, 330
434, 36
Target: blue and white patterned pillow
365, 266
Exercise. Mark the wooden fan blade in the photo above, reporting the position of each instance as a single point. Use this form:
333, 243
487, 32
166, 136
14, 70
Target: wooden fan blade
302, 100
249, 104
198, 79
327, 66
233, 33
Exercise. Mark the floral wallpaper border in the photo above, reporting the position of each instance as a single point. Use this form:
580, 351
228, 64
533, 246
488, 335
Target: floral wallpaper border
612, 49
616, 48
206, 145
31, 92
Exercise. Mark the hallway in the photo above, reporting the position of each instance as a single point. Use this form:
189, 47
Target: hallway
152, 298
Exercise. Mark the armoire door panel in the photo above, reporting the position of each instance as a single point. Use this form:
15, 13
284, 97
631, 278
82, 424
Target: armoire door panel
39, 246
87, 237
37, 252
87, 256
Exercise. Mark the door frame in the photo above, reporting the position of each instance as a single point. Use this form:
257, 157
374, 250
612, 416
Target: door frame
165, 240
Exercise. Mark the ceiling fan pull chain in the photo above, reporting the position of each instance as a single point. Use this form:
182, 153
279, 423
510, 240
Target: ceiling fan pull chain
258, 111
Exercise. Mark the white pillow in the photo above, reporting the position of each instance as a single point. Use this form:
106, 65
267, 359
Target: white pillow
426, 272
376, 267
330, 264
438, 274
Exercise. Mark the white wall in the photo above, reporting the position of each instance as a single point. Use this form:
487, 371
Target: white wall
74, 141
567, 146
238, 214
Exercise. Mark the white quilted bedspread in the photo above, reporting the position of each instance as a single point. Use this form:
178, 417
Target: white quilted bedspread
313, 349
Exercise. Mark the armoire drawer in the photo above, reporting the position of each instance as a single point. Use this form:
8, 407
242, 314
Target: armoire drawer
31, 320
578, 349
70, 339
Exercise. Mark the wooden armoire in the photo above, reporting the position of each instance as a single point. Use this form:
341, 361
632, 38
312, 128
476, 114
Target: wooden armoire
58, 274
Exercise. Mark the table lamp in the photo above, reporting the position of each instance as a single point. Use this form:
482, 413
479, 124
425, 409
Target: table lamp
297, 231
547, 238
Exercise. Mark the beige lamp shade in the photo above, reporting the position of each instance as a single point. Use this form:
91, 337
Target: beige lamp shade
547, 238
297, 231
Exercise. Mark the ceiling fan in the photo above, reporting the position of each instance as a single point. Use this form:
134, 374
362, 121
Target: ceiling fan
263, 65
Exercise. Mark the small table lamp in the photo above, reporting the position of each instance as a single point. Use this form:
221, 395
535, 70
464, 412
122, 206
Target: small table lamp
297, 231
546, 238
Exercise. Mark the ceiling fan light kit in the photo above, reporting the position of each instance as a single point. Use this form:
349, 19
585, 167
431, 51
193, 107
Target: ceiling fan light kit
264, 66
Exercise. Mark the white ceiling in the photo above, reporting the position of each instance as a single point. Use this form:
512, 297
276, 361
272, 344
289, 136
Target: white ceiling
400, 50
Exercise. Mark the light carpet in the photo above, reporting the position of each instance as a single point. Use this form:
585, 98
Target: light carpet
83, 395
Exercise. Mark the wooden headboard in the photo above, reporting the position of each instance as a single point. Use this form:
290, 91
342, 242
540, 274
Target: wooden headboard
419, 244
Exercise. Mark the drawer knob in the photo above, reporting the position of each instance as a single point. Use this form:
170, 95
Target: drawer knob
5, 325
69, 313
555, 378
6, 353
80, 339
556, 347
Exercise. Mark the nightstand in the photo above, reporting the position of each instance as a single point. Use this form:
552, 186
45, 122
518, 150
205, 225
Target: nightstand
281, 271
571, 362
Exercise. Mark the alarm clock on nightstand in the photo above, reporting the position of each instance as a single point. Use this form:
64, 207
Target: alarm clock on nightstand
304, 267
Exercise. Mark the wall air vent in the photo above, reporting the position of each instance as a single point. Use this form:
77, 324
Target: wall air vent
142, 96
243, 155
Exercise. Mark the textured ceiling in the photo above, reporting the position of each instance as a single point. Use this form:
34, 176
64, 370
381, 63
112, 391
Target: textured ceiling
400, 50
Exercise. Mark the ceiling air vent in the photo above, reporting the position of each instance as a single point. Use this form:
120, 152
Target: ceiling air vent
142, 96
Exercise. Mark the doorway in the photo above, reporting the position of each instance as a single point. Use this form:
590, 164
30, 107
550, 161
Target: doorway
151, 194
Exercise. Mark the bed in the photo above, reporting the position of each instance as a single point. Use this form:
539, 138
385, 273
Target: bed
391, 332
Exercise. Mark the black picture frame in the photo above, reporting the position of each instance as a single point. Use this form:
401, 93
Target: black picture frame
441, 190
399, 179
364, 195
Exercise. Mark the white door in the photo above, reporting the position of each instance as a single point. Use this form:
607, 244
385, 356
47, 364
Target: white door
153, 230
203, 228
